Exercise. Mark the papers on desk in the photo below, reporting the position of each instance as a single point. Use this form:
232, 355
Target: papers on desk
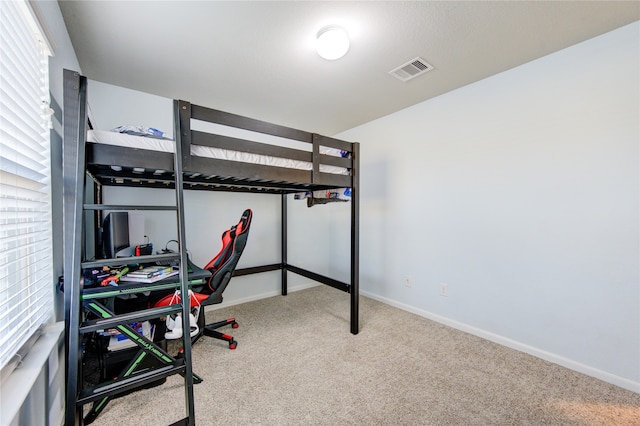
149, 275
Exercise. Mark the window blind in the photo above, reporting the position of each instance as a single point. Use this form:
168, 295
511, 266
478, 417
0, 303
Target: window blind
26, 277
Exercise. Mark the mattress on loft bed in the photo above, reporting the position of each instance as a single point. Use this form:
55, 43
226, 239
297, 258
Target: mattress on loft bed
107, 137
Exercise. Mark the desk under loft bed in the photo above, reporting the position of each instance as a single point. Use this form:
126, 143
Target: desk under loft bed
204, 160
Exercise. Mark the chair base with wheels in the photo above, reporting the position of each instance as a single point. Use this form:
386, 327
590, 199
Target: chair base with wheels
210, 330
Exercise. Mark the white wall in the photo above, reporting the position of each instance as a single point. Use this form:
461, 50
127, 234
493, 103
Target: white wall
64, 55
521, 192
111, 106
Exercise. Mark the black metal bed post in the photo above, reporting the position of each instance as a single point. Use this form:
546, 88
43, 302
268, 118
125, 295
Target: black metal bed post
283, 242
355, 239
97, 217
74, 128
182, 131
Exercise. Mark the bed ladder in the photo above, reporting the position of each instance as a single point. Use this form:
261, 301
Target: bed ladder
74, 172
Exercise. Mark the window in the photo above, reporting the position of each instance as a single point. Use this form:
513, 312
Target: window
26, 277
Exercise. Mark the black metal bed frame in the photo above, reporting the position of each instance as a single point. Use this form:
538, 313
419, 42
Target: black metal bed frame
234, 176
153, 169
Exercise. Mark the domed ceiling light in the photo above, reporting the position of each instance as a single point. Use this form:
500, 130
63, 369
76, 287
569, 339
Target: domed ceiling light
332, 42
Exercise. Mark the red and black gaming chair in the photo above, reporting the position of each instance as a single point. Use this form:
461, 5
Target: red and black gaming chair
221, 267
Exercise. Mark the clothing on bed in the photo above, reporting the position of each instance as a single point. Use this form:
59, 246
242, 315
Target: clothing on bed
148, 132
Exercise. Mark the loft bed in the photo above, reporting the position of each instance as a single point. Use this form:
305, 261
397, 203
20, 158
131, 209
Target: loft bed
211, 150
213, 160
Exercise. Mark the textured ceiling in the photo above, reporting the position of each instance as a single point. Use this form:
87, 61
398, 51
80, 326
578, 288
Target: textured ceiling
257, 58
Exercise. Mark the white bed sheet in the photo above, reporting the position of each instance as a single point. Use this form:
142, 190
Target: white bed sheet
166, 145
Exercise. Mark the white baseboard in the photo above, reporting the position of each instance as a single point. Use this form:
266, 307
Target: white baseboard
260, 296
513, 344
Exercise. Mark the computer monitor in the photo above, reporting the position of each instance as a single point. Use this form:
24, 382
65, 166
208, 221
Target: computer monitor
115, 233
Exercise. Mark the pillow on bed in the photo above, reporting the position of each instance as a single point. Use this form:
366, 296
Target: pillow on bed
148, 132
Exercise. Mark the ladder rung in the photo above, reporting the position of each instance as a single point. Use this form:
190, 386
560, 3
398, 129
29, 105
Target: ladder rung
126, 207
130, 260
111, 322
121, 385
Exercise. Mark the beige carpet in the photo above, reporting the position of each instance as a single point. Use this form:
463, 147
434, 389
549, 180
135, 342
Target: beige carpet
297, 364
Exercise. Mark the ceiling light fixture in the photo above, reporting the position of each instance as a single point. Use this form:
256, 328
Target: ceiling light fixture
332, 42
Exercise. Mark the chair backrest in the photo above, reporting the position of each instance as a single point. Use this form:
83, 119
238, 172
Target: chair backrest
224, 263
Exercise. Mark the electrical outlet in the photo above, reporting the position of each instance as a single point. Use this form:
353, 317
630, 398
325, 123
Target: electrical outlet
407, 281
444, 289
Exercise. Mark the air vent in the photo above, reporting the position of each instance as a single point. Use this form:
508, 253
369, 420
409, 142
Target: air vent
411, 69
